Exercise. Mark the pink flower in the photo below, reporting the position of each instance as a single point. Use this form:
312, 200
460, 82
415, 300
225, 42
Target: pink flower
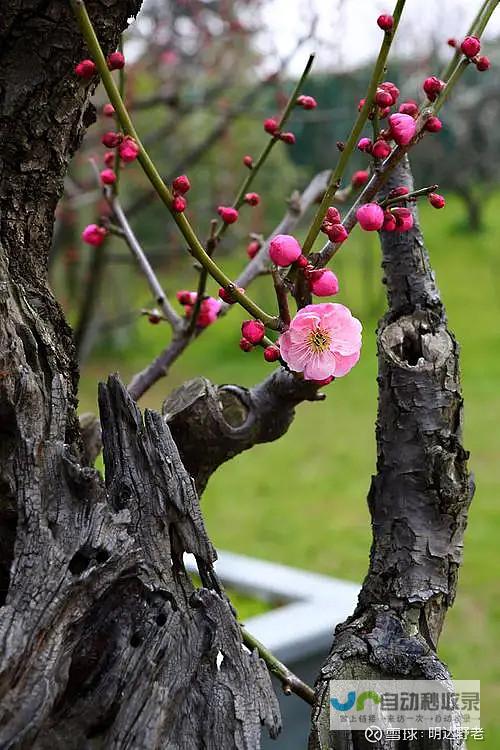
433, 124
383, 98
470, 46
409, 108
284, 250
385, 22
402, 127
271, 353
94, 235
108, 110
245, 345
403, 217
381, 149
253, 199
333, 215
181, 184
271, 125
359, 178
337, 233
111, 139
228, 214
179, 204
308, 102
108, 177
86, 69
398, 191
253, 248
391, 89
436, 200
323, 282
483, 63
433, 87
109, 158
322, 341
185, 297
365, 144
389, 224
253, 331
128, 149
370, 217
209, 310
115, 61
287, 138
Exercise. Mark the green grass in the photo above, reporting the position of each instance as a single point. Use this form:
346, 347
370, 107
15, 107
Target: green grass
302, 500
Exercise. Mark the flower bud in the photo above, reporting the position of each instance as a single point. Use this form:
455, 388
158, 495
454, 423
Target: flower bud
86, 69
470, 46
228, 214
271, 353
253, 248
381, 149
287, 138
108, 177
433, 124
94, 235
108, 110
403, 218
402, 127
323, 282
361, 104
389, 224
391, 89
245, 345
185, 297
226, 295
284, 250
302, 261
109, 158
359, 178
385, 22
409, 108
111, 140
383, 98
253, 199
181, 184
436, 200
115, 61
308, 102
432, 87
370, 217
337, 233
253, 331
154, 317
365, 144
128, 150
398, 191
333, 215
271, 125
248, 161
483, 63
179, 204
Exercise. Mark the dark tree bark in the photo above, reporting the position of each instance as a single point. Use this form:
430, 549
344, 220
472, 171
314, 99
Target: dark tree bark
105, 643
418, 499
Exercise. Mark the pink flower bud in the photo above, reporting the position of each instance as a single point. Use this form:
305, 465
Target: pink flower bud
365, 144
226, 295
409, 108
253, 199
483, 63
108, 177
403, 218
94, 235
128, 150
359, 178
271, 353
402, 127
381, 149
86, 69
383, 112
108, 110
302, 262
287, 138
470, 46
185, 297
111, 140
436, 200
333, 215
432, 87
178, 204
284, 250
253, 331
271, 125
245, 345
154, 317
253, 248
308, 102
248, 161
389, 224
452, 42
337, 234
433, 124
361, 104
323, 282
181, 184
115, 61
398, 191
385, 22
370, 217
109, 158
209, 310
228, 214
391, 89
383, 98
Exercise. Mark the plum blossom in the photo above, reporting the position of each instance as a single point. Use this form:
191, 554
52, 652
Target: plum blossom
323, 341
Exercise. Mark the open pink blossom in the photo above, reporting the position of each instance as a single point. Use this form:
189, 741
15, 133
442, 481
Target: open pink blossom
402, 127
322, 341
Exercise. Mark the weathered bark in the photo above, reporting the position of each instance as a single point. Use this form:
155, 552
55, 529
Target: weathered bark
105, 643
418, 499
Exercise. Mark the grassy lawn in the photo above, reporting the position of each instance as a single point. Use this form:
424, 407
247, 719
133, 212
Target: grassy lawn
302, 500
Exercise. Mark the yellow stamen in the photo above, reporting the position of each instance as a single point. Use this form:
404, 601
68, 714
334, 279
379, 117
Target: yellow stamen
319, 340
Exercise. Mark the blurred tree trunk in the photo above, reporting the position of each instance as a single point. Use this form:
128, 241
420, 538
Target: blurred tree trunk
418, 499
105, 643
474, 205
